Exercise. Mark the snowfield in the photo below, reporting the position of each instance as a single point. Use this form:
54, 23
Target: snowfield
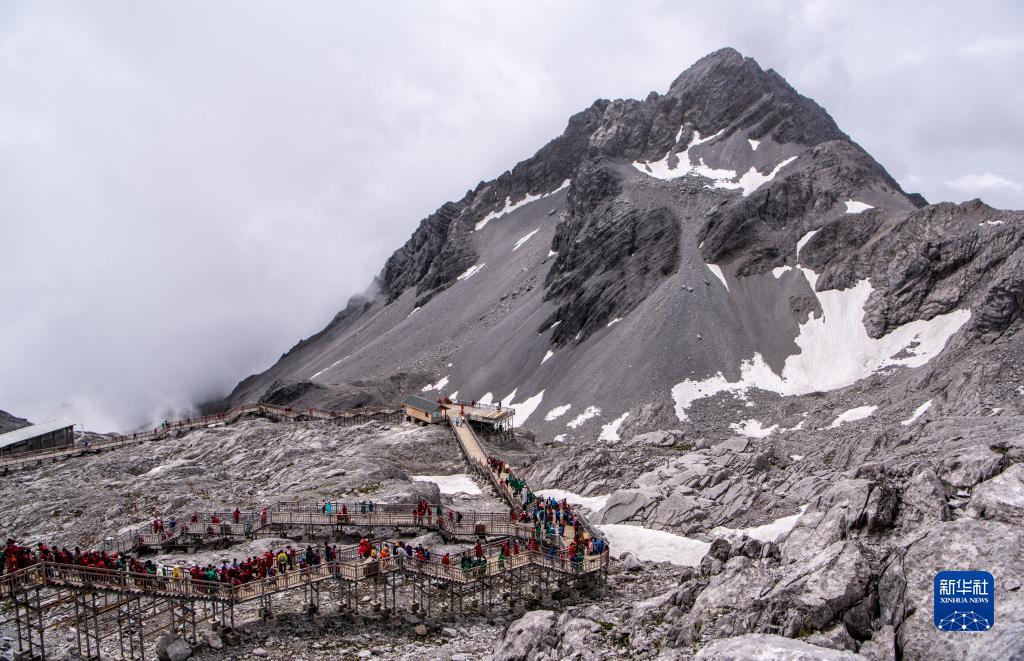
525, 408
752, 428
587, 414
835, 350
748, 182
857, 207
451, 484
803, 241
557, 412
918, 412
610, 431
853, 414
717, 270
471, 271
655, 545
524, 239
509, 207
437, 386
769, 532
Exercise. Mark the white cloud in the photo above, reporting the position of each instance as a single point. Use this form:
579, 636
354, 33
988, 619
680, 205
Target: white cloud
993, 47
982, 183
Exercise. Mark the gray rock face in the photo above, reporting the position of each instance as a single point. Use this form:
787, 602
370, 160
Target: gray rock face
770, 648
610, 255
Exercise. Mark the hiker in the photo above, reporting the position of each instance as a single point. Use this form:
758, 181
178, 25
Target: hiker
237, 515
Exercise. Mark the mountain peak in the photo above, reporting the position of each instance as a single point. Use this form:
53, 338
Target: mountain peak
725, 88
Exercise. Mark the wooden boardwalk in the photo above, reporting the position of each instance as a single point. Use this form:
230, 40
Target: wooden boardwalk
354, 416
491, 570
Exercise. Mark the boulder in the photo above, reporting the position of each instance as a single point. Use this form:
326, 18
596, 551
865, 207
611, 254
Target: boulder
828, 518
629, 504
1000, 498
971, 465
534, 632
924, 498
171, 648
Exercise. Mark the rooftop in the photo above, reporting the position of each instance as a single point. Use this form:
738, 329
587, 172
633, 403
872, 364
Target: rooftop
25, 433
421, 403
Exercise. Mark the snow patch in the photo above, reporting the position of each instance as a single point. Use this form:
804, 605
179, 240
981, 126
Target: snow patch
796, 457
471, 271
559, 438
488, 398
414, 311
803, 241
835, 351
613, 322
334, 364
557, 412
437, 386
752, 428
990, 222
174, 463
610, 431
510, 207
451, 484
526, 408
717, 270
552, 253
857, 207
546, 356
918, 412
779, 270
524, 239
769, 532
587, 414
751, 180
853, 414
655, 545
592, 503
754, 144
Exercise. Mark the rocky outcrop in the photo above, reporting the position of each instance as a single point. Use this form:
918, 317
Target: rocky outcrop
610, 256
528, 637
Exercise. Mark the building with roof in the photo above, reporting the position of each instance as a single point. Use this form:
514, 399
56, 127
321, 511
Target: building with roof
51, 435
424, 410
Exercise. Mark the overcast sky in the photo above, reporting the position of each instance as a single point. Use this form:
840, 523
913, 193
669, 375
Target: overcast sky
189, 188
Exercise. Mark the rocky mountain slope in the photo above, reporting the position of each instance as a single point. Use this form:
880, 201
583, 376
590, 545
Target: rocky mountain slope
788, 390
710, 251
